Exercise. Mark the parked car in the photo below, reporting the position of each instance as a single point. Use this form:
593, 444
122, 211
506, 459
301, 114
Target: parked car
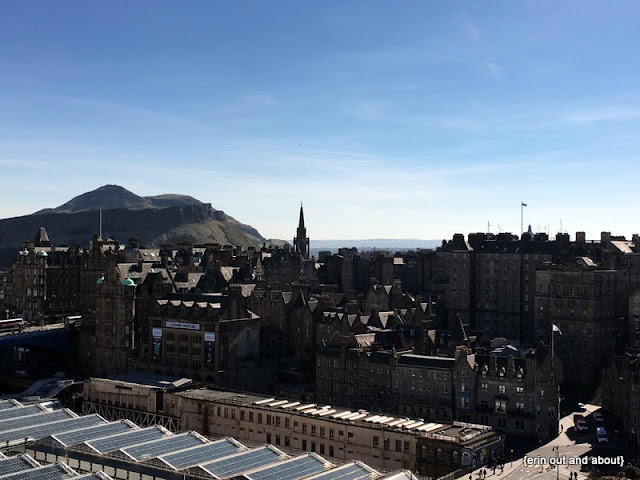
597, 416
580, 423
601, 434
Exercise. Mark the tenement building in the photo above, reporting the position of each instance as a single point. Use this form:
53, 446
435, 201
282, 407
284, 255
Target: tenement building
383, 441
208, 337
385, 380
515, 390
43, 282
589, 306
621, 377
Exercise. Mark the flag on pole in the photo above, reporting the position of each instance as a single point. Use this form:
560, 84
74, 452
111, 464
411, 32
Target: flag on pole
524, 204
556, 329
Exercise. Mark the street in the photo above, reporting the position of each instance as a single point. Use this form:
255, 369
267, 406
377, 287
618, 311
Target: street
568, 449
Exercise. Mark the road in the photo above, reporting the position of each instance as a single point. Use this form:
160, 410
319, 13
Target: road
570, 446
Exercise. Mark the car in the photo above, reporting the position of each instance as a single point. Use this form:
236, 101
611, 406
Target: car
601, 435
597, 416
582, 407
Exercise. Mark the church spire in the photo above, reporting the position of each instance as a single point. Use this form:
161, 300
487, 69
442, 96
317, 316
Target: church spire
301, 241
301, 221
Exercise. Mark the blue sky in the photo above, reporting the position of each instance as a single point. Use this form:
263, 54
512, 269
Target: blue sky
387, 119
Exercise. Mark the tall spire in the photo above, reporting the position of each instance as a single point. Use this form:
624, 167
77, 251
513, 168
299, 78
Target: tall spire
301, 221
301, 241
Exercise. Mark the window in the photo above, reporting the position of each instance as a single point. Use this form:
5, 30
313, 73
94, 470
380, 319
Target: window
304, 444
331, 450
520, 390
259, 418
407, 447
242, 415
398, 445
251, 417
484, 387
331, 434
313, 429
386, 443
304, 428
375, 441
322, 431
501, 406
502, 389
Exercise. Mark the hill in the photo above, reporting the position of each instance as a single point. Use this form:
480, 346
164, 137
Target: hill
115, 196
153, 220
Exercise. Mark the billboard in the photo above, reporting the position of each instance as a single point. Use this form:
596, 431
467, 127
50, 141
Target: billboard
156, 345
183, 325
209, 349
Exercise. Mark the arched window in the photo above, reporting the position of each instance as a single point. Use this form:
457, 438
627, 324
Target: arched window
455, 457
466, 459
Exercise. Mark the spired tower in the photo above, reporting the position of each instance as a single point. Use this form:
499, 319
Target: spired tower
301, 241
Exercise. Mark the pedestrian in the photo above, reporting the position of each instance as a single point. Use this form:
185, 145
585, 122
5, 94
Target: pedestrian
470, 477
484, 473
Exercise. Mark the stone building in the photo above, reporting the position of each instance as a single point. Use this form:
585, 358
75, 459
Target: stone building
620, 388
43, 282
114, 328
386, 380
589, 305
211, 338
383, 441
516, 391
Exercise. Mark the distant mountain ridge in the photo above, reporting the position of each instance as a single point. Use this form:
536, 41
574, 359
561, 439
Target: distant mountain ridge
115, 196
169, 218
380, 243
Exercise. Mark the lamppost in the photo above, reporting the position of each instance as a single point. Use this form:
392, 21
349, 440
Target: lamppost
557, 450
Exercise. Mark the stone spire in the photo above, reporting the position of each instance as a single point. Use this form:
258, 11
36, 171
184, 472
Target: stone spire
301, 241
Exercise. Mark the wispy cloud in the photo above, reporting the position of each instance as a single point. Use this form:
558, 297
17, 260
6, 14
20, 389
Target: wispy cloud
12, 162
130, 110
252, 102
608, 113
492, 68
469, 28
365, 110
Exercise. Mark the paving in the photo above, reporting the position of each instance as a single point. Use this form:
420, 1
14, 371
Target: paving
569, 449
